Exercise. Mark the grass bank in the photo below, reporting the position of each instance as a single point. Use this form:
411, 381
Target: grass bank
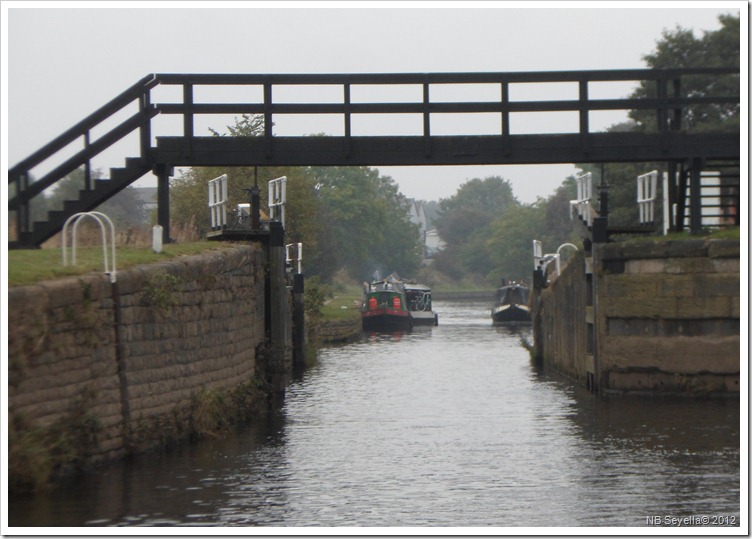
29, 266
344, 304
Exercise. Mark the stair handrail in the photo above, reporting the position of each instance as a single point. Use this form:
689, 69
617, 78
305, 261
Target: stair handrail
98, 217
19, 173
81, 128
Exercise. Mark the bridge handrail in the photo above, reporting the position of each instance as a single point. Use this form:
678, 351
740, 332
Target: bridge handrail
141, 89
601, 75
662, 103
665, 102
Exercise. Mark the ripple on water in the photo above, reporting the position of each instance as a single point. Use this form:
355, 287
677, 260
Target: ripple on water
447, 426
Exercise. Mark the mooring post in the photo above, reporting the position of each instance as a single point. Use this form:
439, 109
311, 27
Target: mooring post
539, 283
279, 331
298, 321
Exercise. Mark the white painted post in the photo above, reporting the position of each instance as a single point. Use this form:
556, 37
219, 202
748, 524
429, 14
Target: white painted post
669, 210
156, 239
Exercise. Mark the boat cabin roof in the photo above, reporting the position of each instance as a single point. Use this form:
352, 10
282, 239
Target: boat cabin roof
513, 293
419, 287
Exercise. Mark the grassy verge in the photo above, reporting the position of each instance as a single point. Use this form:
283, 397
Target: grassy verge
343, 304
733, 233
28, 266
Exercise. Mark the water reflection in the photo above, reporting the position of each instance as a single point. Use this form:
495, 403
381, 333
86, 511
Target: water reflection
442, 426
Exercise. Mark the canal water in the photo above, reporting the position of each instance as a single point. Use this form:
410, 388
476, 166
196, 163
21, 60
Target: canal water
448, 426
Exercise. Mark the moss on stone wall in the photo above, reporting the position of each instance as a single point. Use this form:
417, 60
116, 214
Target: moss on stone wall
181, 366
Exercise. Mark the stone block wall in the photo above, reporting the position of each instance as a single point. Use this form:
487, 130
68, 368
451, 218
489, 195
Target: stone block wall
561, 317
118, 365
655, 316
668, 315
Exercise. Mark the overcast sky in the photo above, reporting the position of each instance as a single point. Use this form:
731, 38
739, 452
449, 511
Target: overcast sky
61, 61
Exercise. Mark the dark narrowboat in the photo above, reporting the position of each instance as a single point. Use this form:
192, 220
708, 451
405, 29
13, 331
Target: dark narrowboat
511, 305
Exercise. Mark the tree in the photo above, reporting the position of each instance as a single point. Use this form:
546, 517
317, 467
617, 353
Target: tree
463, 223
678, 48
189, 196
369, 221
510, 243
556, 224
510, 238
681, 49
189, 202
345, 216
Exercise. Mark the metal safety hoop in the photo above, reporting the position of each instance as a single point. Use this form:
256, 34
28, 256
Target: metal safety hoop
101, 219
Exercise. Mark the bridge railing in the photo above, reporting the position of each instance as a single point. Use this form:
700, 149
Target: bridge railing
348, 101
341, 100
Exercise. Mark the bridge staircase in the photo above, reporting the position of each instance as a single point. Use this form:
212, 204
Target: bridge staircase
88, 199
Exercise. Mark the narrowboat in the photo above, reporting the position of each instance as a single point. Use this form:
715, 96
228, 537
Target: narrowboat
511, 305
385, 306
419, 305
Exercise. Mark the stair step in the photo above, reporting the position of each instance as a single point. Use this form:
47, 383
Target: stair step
52, 215
101, 184
24, 242
135, 163
101, 191
71, 206
120, 174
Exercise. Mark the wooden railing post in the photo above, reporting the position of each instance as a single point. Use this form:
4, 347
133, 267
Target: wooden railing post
145, 130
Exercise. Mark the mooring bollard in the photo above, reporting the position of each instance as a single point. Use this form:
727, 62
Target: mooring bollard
280, 331
298, 321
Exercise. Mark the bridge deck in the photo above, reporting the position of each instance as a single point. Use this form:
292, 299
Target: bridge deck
444, 150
